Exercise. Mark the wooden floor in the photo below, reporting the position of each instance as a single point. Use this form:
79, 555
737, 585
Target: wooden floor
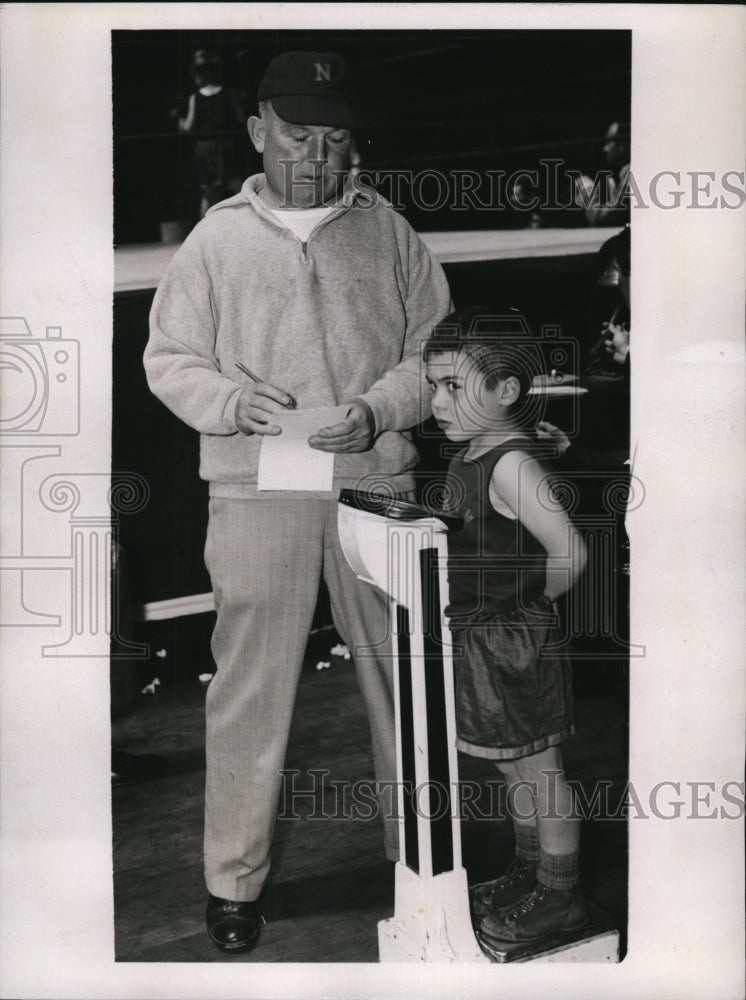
330, 883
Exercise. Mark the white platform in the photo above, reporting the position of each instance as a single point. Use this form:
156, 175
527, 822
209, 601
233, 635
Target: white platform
603, 948
598, 941
431, 922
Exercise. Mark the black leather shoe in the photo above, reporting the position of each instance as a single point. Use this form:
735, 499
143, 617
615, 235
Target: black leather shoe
233, 926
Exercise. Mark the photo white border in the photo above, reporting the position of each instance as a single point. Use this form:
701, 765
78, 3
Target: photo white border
686, 925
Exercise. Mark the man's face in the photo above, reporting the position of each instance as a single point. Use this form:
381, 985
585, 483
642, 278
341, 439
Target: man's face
616, 147
305, 165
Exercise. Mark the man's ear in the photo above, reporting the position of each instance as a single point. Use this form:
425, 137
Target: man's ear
255, 128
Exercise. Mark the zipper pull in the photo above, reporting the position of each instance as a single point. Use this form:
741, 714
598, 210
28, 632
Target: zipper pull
304, 248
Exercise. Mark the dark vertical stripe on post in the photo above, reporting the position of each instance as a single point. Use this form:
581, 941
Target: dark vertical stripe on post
441, 831
406, 722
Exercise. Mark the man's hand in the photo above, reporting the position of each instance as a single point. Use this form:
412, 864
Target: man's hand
617, 342
256, 404
354, 433
583, 190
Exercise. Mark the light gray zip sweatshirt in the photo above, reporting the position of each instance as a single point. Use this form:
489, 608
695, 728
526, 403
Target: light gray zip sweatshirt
342, 316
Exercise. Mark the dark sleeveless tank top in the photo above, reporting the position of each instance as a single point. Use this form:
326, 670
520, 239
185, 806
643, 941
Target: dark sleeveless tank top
494, 563
213, 115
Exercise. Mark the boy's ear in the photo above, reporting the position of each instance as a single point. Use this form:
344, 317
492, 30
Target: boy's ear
510, 390
255, 127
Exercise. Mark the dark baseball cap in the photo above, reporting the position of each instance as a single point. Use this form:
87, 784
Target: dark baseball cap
310, 88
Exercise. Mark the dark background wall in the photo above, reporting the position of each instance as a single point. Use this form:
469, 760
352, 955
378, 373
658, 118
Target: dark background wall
445, 100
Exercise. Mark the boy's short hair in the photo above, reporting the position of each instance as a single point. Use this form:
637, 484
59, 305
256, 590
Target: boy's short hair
497, 339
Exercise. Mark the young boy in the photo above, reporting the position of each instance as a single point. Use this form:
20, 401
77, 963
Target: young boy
516, 554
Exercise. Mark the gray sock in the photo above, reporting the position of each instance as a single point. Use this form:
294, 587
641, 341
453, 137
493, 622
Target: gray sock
526, 841
558, 871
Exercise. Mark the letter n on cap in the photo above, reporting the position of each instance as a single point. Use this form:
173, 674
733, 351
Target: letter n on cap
323, 72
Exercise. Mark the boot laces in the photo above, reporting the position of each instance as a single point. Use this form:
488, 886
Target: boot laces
517, 870
528, 902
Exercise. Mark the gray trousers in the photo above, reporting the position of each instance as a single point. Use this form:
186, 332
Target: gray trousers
265, 558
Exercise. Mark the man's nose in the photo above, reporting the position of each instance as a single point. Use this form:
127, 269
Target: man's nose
318, 150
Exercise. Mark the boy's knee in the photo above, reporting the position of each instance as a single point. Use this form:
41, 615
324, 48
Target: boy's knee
538, 765
507, 769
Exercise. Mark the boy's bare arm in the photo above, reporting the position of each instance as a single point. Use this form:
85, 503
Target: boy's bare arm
525, 487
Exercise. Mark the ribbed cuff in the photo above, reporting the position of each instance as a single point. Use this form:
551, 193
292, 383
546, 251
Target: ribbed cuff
229, 411
558, 871
526, 841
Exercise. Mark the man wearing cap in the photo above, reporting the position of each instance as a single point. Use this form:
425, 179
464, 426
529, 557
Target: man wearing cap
322, 290
609, 207
213, 115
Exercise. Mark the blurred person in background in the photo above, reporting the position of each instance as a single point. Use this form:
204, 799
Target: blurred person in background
604, 200
608, 356
217, 122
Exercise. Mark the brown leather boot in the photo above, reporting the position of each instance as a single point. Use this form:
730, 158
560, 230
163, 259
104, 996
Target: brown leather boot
540, 912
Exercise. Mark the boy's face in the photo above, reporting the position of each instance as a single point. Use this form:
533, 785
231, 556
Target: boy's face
463, 406
305, 165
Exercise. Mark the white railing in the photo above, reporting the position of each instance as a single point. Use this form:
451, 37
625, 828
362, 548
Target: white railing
140, 266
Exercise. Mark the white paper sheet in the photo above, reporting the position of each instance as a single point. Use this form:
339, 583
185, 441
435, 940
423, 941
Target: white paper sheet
287, 462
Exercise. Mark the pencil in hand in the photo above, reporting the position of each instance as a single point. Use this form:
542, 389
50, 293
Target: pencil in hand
247, 371
255, 378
